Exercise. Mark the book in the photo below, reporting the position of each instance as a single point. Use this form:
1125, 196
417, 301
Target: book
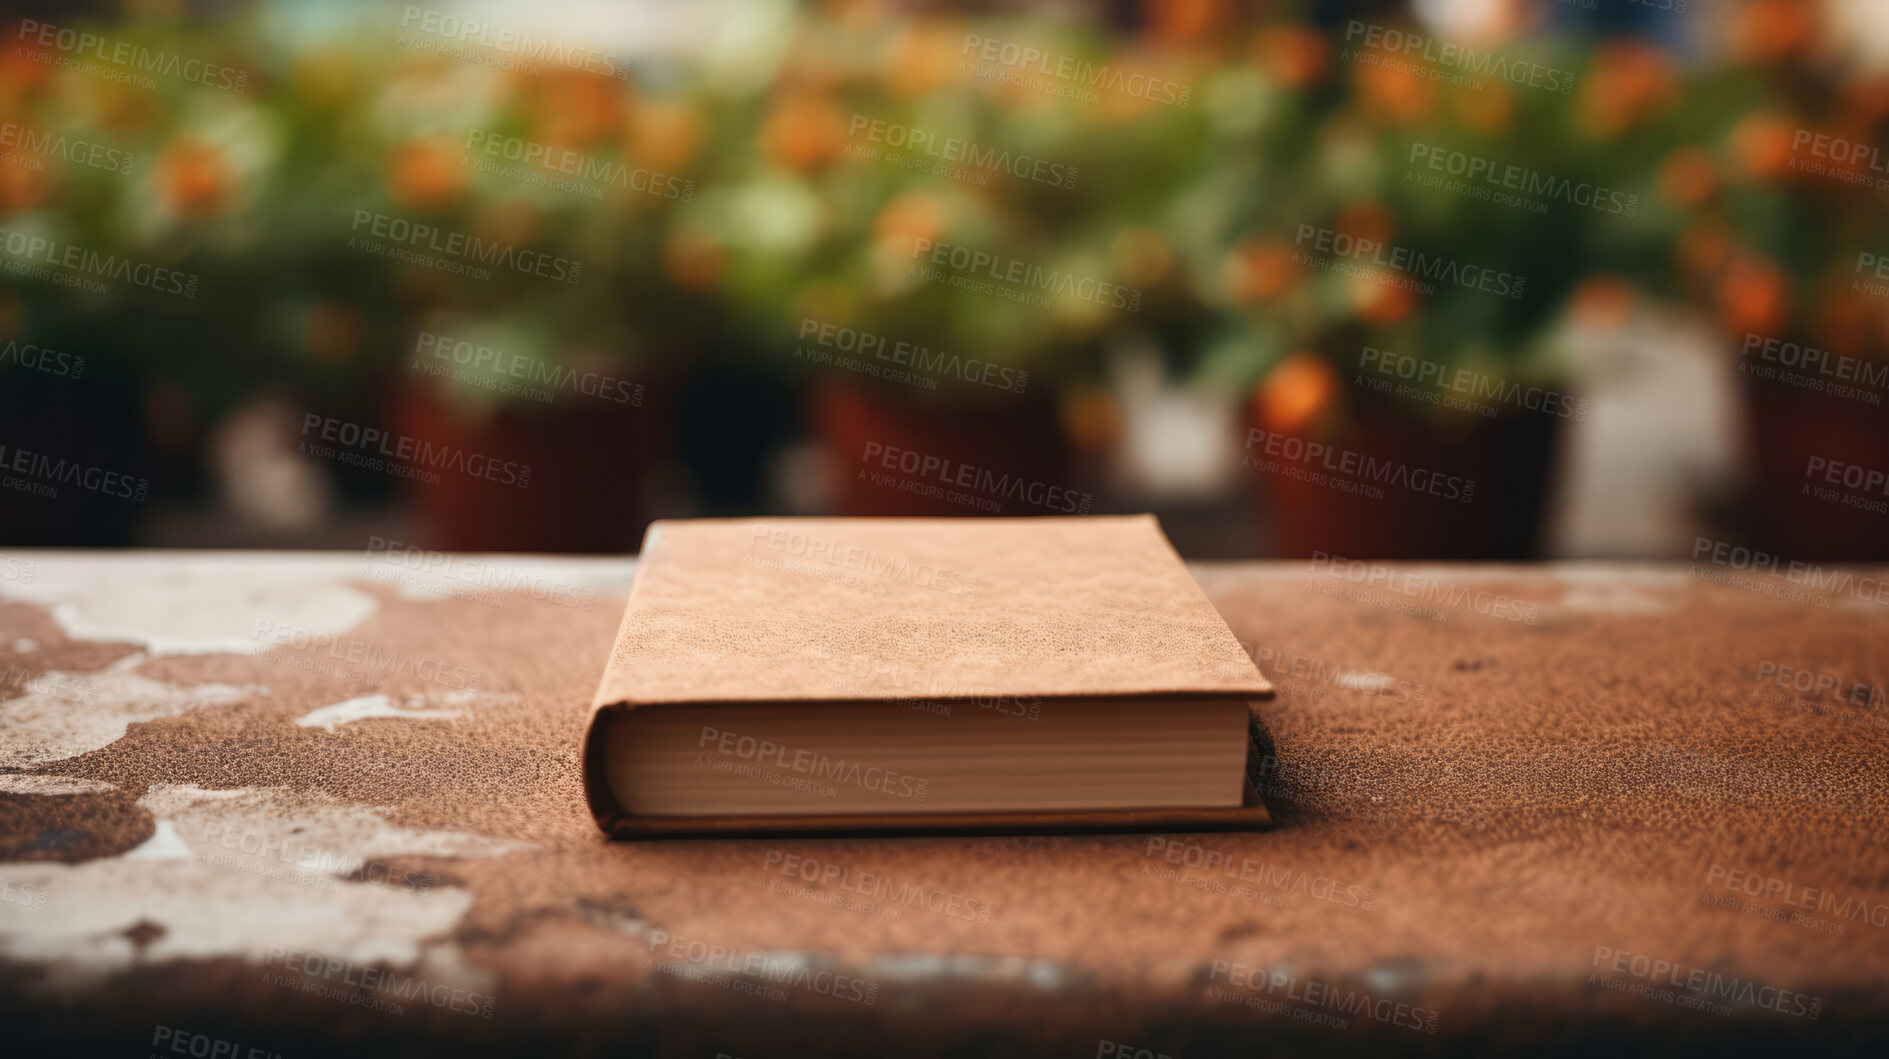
920, 674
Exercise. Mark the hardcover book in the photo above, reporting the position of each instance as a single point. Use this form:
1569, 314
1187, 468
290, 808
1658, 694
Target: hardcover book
920, 674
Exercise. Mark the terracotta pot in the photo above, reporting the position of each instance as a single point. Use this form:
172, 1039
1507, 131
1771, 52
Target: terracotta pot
589, 462
1800, 515
1018, 435
1501, 464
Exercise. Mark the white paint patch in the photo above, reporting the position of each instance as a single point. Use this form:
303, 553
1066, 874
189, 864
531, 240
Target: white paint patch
164, 844
25, 646
1362, 680
417, 574
194, 604
228, 874
367, 706
281, 830
22, 783
64, 715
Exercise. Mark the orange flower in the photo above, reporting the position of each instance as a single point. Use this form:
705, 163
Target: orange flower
1628, 81
1296, 391
1258, 272
1762, 145
803, 131
1688, 176
1752, 297
922, 58
1772, 30
1366, 219
1601, 303
22, 189
1490, 110
578, 108
193, 178
693, 261
1380, 304
1294, 56
1141, 256
1392, 93
1188, 21
664, 134
423, 176
908, 218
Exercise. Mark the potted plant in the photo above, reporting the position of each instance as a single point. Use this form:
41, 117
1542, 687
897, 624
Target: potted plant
1395, 249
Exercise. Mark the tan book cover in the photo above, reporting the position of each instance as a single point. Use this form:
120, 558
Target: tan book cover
919, 674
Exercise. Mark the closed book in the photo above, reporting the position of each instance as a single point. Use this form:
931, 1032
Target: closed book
909, 675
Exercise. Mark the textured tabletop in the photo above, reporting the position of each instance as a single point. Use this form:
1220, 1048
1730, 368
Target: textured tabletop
320, 805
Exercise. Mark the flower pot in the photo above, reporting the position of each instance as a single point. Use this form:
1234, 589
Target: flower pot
1387, 486
585, 465
893, 454
1802, 509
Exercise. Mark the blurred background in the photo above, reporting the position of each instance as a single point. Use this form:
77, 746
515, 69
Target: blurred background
1479, 279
